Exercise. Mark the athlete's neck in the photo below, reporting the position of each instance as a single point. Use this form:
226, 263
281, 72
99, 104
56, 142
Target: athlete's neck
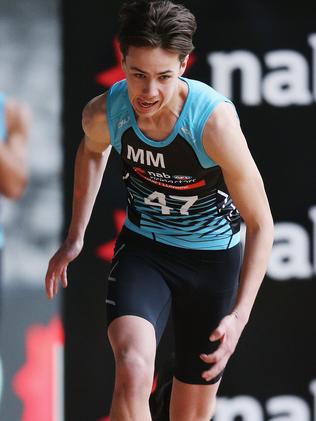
164, 119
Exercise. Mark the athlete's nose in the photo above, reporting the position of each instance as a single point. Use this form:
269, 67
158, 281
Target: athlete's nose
150, 89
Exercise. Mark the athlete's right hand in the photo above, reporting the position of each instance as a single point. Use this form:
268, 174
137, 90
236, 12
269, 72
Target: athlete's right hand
57, 268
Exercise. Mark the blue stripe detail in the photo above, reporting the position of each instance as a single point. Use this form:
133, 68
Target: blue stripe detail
203, 225
189, 242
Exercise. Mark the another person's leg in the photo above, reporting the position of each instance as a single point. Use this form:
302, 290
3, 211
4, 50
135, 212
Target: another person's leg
138, 305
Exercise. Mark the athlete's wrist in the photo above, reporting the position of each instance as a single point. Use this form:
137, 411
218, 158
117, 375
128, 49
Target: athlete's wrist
74, 238
241, 315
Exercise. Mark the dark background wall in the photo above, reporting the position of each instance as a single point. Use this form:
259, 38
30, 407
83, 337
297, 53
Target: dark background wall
272, 50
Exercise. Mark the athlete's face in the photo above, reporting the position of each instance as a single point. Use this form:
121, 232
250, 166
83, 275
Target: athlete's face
152, 78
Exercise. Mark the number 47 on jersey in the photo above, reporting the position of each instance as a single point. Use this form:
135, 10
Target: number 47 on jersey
159, 199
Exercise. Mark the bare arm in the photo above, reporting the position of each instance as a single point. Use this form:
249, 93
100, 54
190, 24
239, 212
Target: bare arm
225, 143
91, 160
13, 155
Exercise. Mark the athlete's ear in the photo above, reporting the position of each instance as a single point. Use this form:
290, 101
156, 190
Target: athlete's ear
183, 65
123, 63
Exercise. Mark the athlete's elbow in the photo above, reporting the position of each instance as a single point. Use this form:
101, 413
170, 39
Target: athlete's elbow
262, 226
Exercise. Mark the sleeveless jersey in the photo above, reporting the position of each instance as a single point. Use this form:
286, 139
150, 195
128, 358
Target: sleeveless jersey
176, 192
3, 134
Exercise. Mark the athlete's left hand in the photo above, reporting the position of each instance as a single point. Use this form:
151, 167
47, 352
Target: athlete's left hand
228, 333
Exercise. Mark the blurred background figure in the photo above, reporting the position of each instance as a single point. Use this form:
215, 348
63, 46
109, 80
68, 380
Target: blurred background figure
31, 335
14, 131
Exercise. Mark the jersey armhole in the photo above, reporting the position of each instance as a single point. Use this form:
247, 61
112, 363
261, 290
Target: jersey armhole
204, 118
117, 115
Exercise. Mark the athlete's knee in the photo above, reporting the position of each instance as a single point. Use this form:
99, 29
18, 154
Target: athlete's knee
134, 371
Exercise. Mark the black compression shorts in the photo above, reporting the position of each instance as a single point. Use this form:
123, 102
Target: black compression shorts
148, 279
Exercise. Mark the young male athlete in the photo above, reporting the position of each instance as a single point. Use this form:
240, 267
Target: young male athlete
187, 170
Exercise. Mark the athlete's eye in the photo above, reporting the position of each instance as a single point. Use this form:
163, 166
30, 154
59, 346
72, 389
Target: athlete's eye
139, 75
164, 77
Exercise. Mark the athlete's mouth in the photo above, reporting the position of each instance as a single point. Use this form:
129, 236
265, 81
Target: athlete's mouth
147, 104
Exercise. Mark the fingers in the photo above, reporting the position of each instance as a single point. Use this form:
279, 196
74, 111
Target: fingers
213, 358
55, 285
64, 277
218, 333
49, 283
218, 359
217, 369
52, 279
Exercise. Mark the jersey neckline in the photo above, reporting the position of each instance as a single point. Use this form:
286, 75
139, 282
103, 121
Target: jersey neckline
176, 128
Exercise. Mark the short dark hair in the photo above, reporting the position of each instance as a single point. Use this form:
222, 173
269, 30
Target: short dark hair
156, 23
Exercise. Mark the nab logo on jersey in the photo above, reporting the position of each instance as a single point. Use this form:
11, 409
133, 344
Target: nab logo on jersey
144, 156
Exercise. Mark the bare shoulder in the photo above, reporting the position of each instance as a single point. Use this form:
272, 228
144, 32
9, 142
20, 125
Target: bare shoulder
224, 117
94, 123
94, 112
224, 141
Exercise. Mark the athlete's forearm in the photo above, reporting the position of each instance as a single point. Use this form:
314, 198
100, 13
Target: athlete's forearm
89, 169
13, 172
13, 155
257, 251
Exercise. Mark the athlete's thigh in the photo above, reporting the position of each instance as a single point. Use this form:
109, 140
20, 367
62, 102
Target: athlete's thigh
198, 309
137, 288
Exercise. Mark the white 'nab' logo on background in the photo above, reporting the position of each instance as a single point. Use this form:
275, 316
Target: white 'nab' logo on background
287, 82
